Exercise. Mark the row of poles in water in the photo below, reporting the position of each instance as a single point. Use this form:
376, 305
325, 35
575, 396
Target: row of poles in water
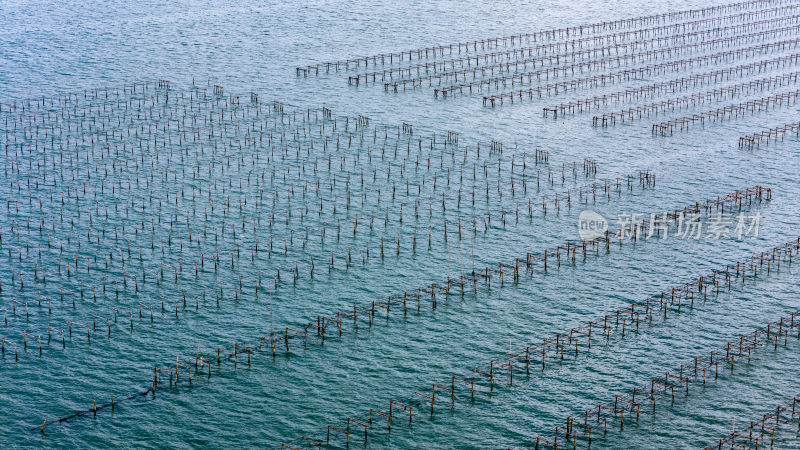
670, 300
505, 62
772, 22
652, 91
679, 66
690, 101
541, 36
589, 168
493, 68
37, 112
698, 370
169, 116
81, 153
764, 428
203, 363
563, 342
509, 74
491, 76
775, 134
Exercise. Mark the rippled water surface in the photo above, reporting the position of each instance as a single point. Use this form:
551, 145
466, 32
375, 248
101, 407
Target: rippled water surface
141, 216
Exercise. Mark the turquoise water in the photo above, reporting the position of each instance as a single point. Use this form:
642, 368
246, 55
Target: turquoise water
138, 183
